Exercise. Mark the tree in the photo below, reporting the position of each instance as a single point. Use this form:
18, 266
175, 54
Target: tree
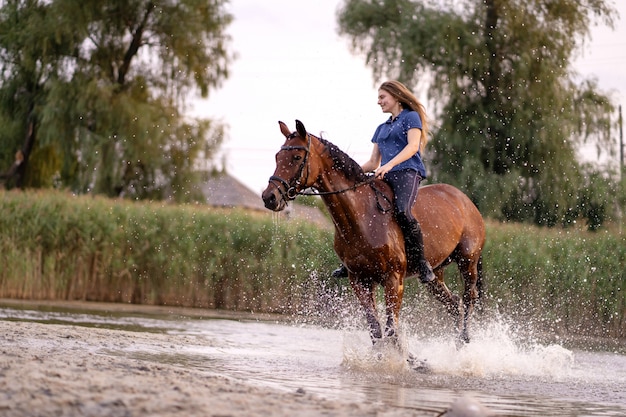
102, 87
511, 114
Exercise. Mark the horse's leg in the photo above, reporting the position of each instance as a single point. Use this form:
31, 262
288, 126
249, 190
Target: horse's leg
394, 291
469, 271
441, 292
365, 294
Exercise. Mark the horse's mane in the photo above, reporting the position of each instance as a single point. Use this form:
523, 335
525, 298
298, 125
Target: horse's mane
343, 162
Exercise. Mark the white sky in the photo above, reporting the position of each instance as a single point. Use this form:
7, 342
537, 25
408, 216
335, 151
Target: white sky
292, 65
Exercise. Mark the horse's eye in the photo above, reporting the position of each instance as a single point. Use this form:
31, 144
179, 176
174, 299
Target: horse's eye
297, 157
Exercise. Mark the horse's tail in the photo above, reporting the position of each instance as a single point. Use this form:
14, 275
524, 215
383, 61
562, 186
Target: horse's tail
480, 284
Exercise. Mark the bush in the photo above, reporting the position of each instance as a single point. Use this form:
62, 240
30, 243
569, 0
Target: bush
57, 246
60, 247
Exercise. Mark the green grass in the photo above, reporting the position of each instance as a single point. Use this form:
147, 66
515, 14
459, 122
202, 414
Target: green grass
57, 246
569, 280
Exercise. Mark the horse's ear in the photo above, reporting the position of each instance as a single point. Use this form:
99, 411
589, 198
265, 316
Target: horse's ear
300, 128
284, 129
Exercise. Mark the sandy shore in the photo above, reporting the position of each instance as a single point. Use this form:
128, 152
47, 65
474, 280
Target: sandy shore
63, 370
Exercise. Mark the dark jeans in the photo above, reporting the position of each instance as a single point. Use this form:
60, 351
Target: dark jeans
405, 184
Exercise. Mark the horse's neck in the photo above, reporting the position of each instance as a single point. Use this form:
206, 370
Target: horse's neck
341, 208
347, 209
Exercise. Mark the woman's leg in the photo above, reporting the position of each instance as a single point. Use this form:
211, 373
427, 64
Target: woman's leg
405, 185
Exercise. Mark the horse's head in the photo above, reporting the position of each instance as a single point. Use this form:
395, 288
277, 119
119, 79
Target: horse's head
293, 171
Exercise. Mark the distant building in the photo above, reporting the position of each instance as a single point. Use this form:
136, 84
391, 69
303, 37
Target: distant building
223, 190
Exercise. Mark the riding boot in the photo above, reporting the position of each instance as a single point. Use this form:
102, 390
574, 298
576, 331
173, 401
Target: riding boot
341, 272
414, 244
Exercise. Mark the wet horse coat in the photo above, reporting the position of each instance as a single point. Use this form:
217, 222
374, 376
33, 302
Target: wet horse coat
367, 238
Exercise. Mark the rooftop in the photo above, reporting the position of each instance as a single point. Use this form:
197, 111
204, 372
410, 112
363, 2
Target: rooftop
223, 190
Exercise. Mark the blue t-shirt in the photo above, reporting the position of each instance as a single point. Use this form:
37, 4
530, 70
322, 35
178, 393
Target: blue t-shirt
392, 136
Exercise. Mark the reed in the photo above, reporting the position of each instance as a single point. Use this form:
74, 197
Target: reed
567, 281
56, 246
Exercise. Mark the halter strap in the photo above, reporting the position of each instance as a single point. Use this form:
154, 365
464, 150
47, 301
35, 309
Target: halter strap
290, 192
294, 147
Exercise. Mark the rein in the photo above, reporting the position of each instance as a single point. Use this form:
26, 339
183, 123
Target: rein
353, 187
370, 181
291, 193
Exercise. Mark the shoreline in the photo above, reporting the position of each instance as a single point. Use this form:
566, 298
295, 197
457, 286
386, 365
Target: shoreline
140, 309
66, 370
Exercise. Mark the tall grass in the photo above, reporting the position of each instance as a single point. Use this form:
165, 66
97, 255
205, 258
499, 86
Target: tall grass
568, 281
61, 247
55, 246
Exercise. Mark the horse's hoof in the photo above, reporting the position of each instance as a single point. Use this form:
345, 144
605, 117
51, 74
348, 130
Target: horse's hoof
418, 365
462, 341
421, 366
390, 333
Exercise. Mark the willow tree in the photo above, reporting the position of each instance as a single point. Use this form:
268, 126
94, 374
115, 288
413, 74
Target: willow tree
510, 111
95, 92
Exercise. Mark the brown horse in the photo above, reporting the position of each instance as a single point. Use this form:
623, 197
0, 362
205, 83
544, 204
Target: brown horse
367, 238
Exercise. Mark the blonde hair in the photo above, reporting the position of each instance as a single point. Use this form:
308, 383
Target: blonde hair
408, 101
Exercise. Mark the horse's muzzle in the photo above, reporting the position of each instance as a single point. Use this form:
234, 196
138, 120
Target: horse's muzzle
273, 199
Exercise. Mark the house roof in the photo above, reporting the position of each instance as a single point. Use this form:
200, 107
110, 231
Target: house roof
223, 190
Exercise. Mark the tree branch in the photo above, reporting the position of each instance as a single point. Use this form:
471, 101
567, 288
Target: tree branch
134, 45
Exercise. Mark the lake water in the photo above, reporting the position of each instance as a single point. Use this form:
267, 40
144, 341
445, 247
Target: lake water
512, 377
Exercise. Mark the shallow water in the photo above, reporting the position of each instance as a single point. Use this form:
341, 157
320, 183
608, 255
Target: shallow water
508, 376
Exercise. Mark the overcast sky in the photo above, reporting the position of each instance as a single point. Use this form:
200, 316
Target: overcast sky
292, 65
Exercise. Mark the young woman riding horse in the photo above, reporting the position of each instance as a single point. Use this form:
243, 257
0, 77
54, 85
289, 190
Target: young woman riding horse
397, 159
369, 240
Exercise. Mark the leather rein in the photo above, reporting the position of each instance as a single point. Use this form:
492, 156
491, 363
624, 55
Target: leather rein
291, 191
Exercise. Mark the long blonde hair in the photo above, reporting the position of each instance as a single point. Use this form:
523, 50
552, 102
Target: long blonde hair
408, 101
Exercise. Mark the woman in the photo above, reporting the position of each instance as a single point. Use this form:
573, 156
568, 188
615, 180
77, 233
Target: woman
396, 158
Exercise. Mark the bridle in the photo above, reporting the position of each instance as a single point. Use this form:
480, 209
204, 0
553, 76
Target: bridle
290, 192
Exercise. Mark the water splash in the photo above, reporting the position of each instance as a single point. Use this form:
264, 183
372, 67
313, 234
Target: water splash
360, 355
494, 351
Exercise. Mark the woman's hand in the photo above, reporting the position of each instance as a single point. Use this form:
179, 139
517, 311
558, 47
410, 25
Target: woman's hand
382, 170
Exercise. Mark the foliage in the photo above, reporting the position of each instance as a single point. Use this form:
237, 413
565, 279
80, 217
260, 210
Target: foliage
57, 246
102, 85
566, 281
511, 112
61, 247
